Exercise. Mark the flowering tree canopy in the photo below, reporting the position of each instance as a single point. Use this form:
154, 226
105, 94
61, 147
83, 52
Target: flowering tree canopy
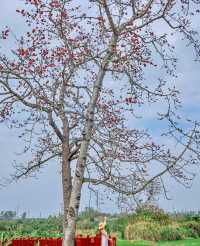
72, 86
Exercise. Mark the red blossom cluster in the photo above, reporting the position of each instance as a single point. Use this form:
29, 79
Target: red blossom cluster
130, 100
55, 4
34, 2
23, 52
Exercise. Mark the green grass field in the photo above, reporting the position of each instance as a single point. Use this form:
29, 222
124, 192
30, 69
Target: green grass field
188, 242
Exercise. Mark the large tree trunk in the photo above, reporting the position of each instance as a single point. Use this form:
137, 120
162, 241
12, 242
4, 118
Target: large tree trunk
81, 162
66, 176
66, 183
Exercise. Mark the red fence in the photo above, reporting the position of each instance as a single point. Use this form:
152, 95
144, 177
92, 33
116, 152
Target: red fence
79, 241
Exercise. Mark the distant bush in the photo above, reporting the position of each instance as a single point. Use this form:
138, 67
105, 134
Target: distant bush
152, 213
142, 230
87, 224
118, 225
192, 226
153, 231
171, 233
186, 216
3, 227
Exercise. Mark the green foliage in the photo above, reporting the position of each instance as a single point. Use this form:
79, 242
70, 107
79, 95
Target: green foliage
3, 227
147, 223
151, 213
170, 233
186, 216
154, 231
5, 237
88, 219
135, 243
192, 217
51, 227
192, 226
142, 230
117, 225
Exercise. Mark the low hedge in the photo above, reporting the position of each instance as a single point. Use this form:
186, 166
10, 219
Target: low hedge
192, 226
153, 231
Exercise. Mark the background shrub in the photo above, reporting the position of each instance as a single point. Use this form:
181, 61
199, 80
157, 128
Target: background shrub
171, 233
152, 213
143, 230
192, 226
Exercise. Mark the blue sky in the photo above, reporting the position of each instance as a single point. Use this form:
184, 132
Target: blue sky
44, 195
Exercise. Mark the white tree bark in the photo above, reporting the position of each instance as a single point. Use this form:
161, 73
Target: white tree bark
66, 184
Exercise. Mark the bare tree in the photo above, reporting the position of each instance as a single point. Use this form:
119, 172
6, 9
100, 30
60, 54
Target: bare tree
73, 82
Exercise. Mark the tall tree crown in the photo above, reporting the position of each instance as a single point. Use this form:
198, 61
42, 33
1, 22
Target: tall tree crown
47, 88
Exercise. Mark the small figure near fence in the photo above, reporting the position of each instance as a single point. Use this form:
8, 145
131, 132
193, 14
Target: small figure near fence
103, 229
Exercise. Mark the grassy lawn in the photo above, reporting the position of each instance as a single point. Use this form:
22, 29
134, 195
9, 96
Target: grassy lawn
131, 243
188, 242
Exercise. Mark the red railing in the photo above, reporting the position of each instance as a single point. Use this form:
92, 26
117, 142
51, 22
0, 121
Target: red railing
79, 241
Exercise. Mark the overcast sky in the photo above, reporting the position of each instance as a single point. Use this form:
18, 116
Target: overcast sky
43, 196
